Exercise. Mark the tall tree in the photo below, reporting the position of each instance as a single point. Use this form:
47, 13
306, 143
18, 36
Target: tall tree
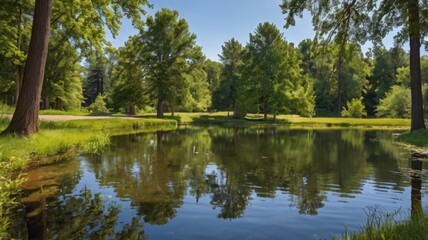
385, 65
83, 23
213, 70
129, 89
226, 95
359, 21
169, 54
273, 71
15, 22
25, 118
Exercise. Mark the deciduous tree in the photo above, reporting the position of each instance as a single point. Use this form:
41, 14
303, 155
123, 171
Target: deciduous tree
358, 21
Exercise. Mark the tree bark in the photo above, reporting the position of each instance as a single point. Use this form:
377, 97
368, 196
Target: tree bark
417, 116
265, 111
26, 116
159, 109
18, 82
133, 111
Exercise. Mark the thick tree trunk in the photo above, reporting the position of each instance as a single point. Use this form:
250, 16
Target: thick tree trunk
159, 109
26, 116
417, 115
18, 83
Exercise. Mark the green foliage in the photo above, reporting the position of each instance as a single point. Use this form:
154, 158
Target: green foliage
97, 143
226, 95
274, 78
9, 191
213, 70
99, 106
395, 104
320, 62
5, 109
169, 56
129, 89
386, 226
62, 88
354, 108
96, 219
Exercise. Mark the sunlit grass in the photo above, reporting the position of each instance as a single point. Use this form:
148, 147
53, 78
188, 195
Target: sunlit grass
225, 118
418, 138
386, 226
83, 112
56, 137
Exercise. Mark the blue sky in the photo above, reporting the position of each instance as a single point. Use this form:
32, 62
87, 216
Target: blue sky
216, 21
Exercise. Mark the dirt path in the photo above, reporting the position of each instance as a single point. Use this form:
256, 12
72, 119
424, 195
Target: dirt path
58, 118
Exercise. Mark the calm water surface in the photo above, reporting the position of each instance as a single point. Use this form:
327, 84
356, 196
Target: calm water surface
226, 183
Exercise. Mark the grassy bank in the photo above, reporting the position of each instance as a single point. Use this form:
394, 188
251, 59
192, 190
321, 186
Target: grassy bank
223, 118
379, 227
417, 138
54, 139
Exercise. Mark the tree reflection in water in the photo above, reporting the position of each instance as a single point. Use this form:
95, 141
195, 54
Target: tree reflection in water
85, 216
157, 170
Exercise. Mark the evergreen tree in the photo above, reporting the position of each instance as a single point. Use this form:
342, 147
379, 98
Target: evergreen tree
225, 96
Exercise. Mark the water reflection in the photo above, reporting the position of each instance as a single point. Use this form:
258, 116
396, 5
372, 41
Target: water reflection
170, 178
86, 216
156, 170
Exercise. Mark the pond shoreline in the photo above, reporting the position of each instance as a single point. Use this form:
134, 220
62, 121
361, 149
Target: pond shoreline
125, 125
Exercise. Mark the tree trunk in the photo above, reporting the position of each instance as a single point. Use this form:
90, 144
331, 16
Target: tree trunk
172, 109
47, 105
133, 111
26, 116
159, 109
265, 112
339, 84
417, 116
235, 111
18, 81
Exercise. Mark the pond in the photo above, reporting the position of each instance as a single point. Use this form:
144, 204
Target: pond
222, 183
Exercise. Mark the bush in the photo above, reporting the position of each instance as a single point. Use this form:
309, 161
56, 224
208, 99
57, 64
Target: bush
99, 106
354, 109
395, 104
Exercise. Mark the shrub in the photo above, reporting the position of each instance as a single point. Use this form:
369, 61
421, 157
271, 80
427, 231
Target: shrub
99, 106
355, 108
395, 104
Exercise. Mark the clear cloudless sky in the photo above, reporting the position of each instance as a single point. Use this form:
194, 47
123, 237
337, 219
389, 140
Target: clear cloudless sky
217, 21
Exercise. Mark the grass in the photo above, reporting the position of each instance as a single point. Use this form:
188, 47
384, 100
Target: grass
385, 226
417, 138
60, 112
222, 118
